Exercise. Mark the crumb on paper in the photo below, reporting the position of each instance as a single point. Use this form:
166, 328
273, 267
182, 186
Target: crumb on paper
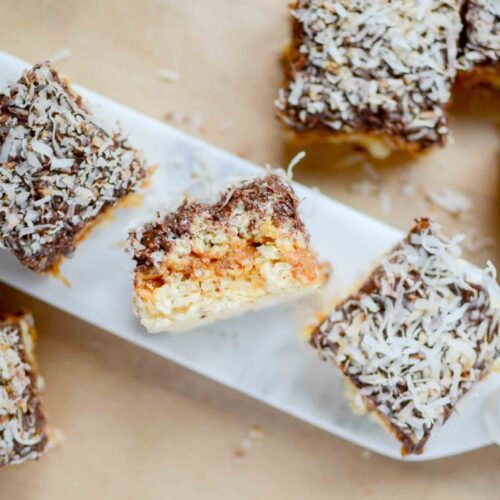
254, 434
293, 163
370, 183
385, 202
408, 189
364, 187
227, 125
169, 75
246, 444
60, 55
371, 172
450, 200
56, 438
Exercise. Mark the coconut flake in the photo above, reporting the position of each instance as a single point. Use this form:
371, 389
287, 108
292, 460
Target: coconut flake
60, 55
169, 75
451, 200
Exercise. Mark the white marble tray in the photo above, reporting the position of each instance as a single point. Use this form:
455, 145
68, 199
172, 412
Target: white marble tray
261, 354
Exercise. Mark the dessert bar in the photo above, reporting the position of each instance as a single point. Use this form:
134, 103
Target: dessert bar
23, 433
416, 336
59, 170
377, 74
480, 57
208, 261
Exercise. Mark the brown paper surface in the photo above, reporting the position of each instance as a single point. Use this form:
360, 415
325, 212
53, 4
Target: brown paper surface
137, 426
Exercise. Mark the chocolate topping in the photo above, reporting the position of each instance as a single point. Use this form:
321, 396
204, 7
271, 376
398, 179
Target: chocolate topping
262, 197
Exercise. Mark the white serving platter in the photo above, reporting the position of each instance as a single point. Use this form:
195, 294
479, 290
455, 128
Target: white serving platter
262, 354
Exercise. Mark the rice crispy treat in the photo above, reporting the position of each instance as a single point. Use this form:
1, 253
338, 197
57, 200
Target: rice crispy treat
416, 336
23, 431
205, 262
480, 56
377, 74
59, 170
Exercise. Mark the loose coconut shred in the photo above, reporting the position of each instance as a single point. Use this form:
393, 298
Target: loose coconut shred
416, 336
59, 170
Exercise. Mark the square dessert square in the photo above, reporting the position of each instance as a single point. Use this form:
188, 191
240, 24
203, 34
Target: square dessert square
480, 55
23, 432
59, 170
208, 261
377, 74
416, 336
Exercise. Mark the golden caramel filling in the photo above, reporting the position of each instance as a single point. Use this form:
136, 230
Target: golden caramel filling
241, 261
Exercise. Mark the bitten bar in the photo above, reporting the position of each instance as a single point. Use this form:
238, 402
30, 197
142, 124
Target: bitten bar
23, 433
59, 170
208, 261
415, 337
377, 74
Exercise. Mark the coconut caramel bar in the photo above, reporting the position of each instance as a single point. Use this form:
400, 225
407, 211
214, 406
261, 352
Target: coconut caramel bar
480, 56
23, 432
416, 336
59, 170
207, 261
377, 74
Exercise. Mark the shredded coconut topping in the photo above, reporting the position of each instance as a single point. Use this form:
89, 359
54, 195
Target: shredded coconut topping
482, 33
416, 336
22, 423
59, 170
383, 67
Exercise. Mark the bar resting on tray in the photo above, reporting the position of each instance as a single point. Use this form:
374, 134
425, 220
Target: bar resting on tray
416, 336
